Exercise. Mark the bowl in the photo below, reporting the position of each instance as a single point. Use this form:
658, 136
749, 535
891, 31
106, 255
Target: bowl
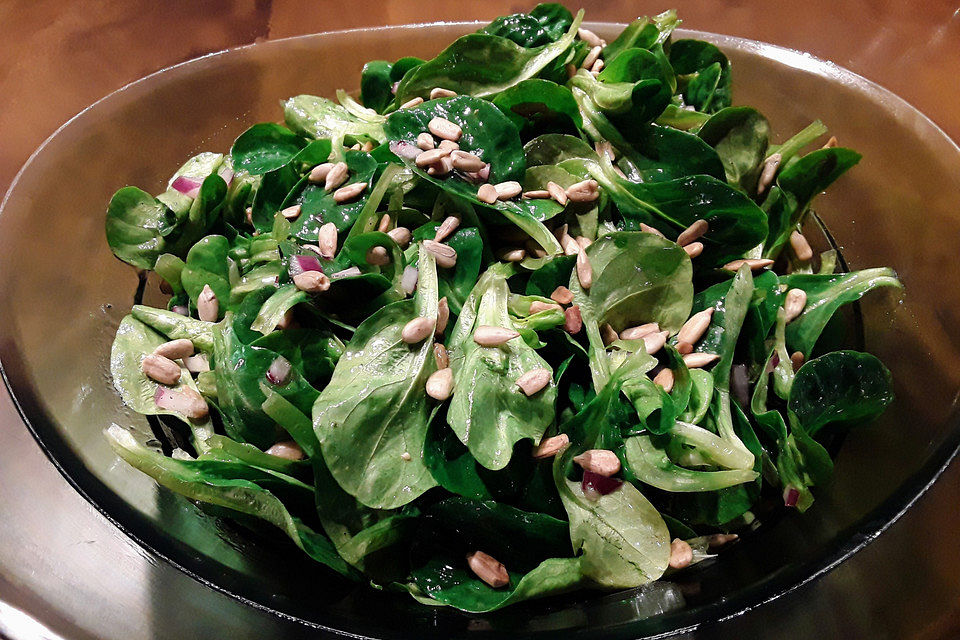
64, 293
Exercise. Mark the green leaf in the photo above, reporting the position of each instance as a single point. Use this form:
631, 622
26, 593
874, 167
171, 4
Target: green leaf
826, 294
376, 85
704, 74
375, 407
644, 33
175, 326
137, 225
479, 64
546, 23
842, 387
489, 412
265, 147
208, 264
741, 136
320, 118
554, 148
540, 106
651, 465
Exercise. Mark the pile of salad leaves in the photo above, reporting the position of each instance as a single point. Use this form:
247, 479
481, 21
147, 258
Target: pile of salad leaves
394, 487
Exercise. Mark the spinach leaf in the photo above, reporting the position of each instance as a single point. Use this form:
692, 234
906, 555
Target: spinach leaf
194, 480
265, 147
554, 148
175, 326
842, 387
376, 85
137, 225
643, 33
825, 294
637, 278
208, 264
651, 465
479, 64
703, 73
546, 23
741, 136
539, 106
320, 118
375, 407
490, 413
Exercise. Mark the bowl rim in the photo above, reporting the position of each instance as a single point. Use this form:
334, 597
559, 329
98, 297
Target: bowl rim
790, 579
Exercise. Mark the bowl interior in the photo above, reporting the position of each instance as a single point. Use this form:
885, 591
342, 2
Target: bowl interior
63, 295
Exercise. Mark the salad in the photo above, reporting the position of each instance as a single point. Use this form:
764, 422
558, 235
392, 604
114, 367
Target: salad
536, 315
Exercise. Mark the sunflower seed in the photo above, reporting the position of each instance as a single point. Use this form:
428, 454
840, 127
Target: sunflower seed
797, 359
414, 102
448, 145
533, 381
490, 336
697, 360
161, 369
753, 263
443, 128
440, 92
440, 356
288, 450
718, 540
604, 148
681, 554
570, 246
694, 231
831, 143
592, 56
584, 270
648, 229
349, 192
354, 147
584, 242
551, 446
536, 194
653, 342
508, 190
336, 176
466, 161
571, 70
664, 379
174, 349
288, 321
443, 315
770, 166
198, 363
384, 224
597, 66
635, 333
589, 37
428, 158
327, 241
693, 249
408, 281
378, 256
584, 191
683, 348
319, 172
208, 307
512, 254
249, 215
406, 457
447, 227
694, 328
602, 462
801, 247
441, 167
425, 141
445, 255
400, 235
368, 146
311, 281
572, 321
349, 272
488, 569
608, 334
557, 193
537, 306
562, 295
417, 330
535, 250
291, 213
487, 193
440, 384
794, 303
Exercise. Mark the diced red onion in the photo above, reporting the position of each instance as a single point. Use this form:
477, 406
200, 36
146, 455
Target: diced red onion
598, 484
790, 496
189, 187
170, 400
299, 264
484, 174
181, 309
404, 149
772, 364
394, 86
408, 281
279, 371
